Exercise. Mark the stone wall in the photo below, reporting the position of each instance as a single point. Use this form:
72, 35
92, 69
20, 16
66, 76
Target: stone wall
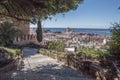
12, 65
23, 26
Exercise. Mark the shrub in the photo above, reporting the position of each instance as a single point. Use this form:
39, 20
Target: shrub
57, 45
14, 52
7, 34
91, 51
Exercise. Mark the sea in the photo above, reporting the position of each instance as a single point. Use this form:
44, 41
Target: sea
104, 32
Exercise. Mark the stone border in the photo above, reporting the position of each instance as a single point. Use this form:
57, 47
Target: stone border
14, 65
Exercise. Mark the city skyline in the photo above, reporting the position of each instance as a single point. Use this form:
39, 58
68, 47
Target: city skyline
89, 14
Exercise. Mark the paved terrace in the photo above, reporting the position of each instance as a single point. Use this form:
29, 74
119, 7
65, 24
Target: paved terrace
40, 67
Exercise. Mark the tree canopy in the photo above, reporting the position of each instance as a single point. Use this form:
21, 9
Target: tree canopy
32, 10
115, 40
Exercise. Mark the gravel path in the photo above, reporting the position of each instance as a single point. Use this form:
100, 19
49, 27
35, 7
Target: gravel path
39, 67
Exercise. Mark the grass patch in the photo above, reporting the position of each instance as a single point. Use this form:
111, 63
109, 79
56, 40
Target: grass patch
14, 52
52, 53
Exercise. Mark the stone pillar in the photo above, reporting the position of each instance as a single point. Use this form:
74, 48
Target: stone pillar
24, 37
28, 36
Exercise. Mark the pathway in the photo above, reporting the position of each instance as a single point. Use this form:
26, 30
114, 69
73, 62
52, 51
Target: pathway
39, 67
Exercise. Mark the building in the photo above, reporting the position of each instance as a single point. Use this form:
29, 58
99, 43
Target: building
28, 35
22, 26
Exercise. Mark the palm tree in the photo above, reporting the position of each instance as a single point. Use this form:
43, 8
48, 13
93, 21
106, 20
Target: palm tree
7, 33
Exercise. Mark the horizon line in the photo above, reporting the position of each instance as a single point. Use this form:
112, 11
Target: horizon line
76, 27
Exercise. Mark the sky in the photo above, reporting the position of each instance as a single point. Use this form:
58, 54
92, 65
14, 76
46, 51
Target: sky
89, 14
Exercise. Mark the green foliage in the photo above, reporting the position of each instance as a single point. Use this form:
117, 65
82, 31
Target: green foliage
39, 31
115, 39
14, 52
7, 34
91, 51
57, 45
53, 54
32, 10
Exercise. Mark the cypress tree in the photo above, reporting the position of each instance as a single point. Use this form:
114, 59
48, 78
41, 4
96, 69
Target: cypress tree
39, 31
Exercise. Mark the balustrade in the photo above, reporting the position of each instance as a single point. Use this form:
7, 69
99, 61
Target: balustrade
25, 39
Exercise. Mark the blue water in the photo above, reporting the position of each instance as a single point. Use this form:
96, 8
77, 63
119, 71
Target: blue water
105, 32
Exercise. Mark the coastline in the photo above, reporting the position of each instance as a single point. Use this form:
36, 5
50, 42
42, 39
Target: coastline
104, 32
